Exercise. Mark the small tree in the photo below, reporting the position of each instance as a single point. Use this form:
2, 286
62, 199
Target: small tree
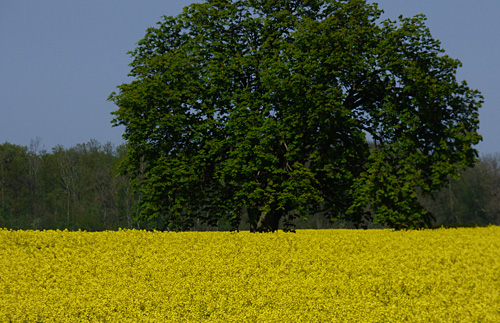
265, 108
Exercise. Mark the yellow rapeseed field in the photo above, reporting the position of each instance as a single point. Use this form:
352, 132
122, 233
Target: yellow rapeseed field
444, 275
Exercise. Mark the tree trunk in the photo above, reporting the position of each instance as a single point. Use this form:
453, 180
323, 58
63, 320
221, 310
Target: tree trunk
264, 222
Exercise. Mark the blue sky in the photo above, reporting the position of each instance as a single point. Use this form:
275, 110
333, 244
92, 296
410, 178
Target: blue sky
59, 61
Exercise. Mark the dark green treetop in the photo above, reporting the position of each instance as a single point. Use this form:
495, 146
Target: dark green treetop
266, 108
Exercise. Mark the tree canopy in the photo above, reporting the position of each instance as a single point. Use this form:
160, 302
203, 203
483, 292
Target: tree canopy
272, 110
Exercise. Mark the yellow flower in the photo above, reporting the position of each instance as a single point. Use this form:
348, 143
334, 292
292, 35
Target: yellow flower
445, 275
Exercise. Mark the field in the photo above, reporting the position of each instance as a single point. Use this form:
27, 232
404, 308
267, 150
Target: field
443, 275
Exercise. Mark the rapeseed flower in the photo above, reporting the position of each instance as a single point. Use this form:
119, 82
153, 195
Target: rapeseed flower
444, 275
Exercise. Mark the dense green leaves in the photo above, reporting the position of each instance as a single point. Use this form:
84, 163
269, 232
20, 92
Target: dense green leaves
265, 109
34, 193
74, 188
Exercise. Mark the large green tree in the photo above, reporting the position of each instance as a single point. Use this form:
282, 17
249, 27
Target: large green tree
265, 109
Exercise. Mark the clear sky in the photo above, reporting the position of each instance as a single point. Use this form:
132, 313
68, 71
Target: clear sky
59, 61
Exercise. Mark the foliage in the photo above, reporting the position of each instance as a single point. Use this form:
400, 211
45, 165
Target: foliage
474, 199
13, 175
444, 275
264, 109
74, 188
33, 193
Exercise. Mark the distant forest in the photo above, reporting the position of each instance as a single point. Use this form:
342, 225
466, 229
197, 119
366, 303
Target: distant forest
79, 188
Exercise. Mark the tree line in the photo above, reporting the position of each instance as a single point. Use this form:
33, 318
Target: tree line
73, 188
80, 188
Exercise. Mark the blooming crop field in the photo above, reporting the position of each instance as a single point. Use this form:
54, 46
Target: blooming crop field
444, 275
